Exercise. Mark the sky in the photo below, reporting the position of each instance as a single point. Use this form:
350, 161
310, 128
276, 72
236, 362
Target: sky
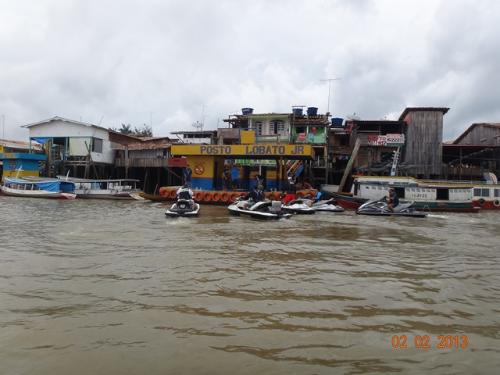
171, 63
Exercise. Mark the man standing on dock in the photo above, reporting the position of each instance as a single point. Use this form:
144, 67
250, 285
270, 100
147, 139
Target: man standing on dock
187, 174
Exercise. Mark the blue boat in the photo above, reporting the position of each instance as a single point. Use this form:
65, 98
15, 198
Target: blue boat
36, 187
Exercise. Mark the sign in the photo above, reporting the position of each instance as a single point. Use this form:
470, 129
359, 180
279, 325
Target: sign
390, 140
259, 150
255, 163
177, 162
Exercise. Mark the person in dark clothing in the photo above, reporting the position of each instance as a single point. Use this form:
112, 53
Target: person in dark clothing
187, 174
393, 200
254, 195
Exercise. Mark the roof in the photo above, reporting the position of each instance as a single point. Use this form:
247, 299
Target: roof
494, 125
19, 144
208, 132
58, 118
150, 143
377, 122
444, 110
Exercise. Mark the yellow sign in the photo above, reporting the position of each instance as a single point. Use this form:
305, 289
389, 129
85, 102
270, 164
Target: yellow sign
268, 149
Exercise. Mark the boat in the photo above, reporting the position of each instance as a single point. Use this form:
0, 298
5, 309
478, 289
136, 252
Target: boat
327, 205
380, 208
154, 197
259, 210
427, 195
300, 207
184, 208
104, 188
36, 187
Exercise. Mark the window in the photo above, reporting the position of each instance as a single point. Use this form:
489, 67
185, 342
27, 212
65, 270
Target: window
481, 192
497, 193
258, 127
97, 145
277, 127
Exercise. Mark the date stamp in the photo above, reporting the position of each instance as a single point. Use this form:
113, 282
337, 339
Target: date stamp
425, 342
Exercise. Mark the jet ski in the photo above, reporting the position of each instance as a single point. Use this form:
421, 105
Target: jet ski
380, 208
183, 207
259, 210
327, 205
299, 206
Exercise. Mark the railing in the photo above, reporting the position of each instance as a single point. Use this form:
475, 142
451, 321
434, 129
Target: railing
273, 138
142, 162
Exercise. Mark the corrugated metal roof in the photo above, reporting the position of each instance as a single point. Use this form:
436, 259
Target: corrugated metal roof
19, 144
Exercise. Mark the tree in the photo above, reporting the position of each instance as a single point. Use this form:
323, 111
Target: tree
144, 131
126, 129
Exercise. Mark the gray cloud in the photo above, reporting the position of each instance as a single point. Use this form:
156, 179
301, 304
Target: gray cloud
121, 61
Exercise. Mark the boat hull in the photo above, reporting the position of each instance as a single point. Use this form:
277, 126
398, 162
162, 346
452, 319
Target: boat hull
234, 210
486, 204
36, 194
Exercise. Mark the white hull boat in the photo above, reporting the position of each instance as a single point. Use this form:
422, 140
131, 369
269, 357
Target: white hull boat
34, 187
259, 210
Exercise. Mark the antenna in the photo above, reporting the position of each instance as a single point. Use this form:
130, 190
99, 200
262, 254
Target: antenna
199, 124
329, 89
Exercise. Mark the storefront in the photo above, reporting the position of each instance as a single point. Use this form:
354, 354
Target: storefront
237, 166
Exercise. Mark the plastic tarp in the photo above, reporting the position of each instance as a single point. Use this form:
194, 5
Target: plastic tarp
55, 186
40, 140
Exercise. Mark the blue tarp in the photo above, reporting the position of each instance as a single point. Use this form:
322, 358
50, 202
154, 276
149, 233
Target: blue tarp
40, 140
56, 186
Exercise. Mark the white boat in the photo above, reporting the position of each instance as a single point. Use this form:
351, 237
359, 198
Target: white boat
299, 206
259, 210
36, 187
105, 189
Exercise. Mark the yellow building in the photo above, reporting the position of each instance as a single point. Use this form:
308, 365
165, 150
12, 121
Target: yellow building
208, 163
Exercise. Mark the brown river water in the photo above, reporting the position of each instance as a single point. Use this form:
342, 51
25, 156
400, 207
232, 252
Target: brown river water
104, 287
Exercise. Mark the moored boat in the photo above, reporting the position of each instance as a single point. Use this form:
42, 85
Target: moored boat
259, 210
104, 188
35, 187
427, 195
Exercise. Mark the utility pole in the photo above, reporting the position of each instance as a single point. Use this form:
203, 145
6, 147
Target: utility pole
329, 89
3, 126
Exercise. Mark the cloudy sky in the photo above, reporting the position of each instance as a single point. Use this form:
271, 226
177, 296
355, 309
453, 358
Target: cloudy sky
125, 61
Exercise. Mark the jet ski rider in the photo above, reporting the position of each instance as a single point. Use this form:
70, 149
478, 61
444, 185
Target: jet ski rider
393, 200
184, 192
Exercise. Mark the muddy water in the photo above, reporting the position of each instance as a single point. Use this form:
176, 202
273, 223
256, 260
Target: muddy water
93, 287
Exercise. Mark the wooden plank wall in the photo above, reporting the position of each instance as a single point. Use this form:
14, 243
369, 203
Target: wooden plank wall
424, 139
482, 135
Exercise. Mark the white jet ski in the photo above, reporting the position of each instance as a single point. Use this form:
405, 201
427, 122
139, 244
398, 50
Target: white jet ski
300, 206
259, 210
183, 207
380, 208
327, 205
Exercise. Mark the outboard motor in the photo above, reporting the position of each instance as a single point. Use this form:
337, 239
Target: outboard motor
275, 207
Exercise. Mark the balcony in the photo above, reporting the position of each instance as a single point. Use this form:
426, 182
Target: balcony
272, 138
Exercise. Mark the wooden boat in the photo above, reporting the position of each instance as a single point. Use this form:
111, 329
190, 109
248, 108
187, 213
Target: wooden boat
105, 188
427, 195
35, 187
154, 197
